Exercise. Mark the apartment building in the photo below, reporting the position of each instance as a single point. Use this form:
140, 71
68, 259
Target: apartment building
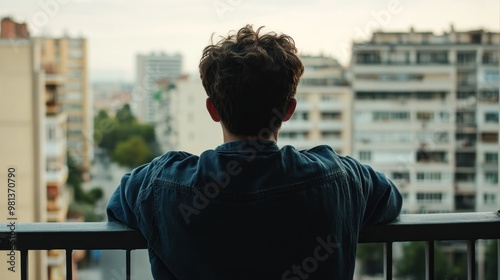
151, 69
56, 174
22, 149
66, 59
323, 113
184, 123
425, 112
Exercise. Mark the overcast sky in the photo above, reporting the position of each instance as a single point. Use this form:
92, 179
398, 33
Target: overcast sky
119, 29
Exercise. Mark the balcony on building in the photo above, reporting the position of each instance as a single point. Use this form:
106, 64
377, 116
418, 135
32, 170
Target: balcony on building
53, 75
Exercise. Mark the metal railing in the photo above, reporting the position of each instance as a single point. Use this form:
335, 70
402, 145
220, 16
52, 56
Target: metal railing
411, 227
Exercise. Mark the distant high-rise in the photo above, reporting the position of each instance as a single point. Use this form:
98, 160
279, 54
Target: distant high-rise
150, 70
426, 113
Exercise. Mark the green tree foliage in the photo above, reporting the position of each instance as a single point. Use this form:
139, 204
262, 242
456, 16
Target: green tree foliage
371, 256
412, 264
491, 260
110, 132
83, 201
132, 152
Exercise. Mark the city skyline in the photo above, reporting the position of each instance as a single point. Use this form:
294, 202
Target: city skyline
318, 27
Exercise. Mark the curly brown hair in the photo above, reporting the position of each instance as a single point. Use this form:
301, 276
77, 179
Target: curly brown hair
250, 75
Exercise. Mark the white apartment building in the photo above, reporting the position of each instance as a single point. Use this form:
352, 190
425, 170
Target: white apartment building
150, 69
425, 112
323, 113
184, 123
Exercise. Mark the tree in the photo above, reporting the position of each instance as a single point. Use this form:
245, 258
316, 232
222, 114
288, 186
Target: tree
371, 256
75, 179
132, 152
491, 260
412, 264
109, 132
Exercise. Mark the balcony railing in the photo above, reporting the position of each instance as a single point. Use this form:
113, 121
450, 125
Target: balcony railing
107, 236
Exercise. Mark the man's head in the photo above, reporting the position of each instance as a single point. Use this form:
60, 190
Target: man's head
249, 77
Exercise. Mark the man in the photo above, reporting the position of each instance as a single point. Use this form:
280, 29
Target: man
248, 209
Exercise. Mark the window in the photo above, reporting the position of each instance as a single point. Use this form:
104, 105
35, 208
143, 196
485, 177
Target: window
330, 134
466, 58
391, 116
405, 176
491, 76
425, 116
491, 117
330, 115
490, 57
432, 177
75, 43
429, 197
75, 119
75, 53
427, 57
465, 177
365, 155
328, 98
491, 177
491, 158
489, 137
293, 134
368, 57
466, 94
489, 199
51, 133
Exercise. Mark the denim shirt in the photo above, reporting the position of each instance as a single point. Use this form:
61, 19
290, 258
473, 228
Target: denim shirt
250, 210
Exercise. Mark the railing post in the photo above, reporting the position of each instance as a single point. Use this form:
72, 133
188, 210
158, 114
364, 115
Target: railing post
388, 260
24, 265
429, 260
471, 259
128, 264
69, 264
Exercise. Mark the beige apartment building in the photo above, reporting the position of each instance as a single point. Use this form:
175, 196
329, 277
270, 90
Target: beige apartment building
22, 120
65, 59
425, 112
323, 113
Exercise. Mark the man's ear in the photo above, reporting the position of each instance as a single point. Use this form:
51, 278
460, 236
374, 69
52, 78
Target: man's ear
290, 109
211, 110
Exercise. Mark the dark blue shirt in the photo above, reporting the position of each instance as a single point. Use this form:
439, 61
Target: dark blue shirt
249, 210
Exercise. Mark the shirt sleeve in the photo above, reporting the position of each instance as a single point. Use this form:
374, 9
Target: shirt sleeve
382, 199
124, 204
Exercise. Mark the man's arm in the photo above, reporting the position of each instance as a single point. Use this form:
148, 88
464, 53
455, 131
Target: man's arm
123, 205
382, 199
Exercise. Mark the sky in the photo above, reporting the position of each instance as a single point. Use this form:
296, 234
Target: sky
118, 30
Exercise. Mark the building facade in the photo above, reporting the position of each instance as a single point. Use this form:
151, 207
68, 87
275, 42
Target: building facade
425, 112
150, 70
323, 112
22, 120
65, 59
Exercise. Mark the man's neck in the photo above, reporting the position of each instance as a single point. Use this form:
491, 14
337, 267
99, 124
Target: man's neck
228, 136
